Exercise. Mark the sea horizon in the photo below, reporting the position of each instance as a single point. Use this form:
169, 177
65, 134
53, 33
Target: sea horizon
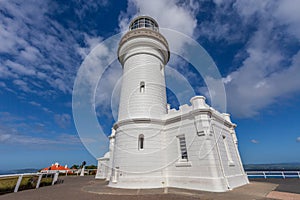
18, 171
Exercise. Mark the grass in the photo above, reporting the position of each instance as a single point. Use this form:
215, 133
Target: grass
8, 184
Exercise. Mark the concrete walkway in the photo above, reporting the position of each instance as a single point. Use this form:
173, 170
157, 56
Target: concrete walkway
291, 185
76, 187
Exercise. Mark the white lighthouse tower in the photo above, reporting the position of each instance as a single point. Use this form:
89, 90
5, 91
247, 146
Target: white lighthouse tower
153, 146
143, 53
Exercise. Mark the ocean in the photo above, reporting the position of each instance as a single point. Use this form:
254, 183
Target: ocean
18, 171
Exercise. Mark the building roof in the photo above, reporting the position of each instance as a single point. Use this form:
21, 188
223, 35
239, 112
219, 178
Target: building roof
57, 167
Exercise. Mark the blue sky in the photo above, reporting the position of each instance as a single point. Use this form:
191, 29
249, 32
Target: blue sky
255, 44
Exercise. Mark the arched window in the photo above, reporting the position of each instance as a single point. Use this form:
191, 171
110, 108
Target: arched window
142, 86
141, 142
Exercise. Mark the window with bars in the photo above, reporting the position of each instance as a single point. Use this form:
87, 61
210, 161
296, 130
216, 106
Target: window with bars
182, 146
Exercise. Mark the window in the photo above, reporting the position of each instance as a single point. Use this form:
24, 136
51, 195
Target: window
183, 154
144, 23
141, 142
182, 146
142, 87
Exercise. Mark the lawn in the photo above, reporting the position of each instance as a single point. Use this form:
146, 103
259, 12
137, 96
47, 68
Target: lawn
7, 184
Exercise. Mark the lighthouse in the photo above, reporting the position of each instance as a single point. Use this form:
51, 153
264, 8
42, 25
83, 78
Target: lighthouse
155, 146
143, 53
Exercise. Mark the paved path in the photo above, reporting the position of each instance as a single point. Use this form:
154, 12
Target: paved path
284, 185
77, 188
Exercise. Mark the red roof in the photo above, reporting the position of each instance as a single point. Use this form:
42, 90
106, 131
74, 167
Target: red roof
54, 167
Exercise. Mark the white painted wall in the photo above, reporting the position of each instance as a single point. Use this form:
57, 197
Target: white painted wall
103, 168
158, 165
142, 61
213, 162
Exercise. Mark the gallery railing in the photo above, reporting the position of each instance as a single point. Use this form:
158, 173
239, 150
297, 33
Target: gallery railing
273, 174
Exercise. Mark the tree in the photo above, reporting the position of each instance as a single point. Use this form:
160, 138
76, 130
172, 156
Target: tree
75, 167
91, 167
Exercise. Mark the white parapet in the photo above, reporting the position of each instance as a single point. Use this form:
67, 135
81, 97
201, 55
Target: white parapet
226, 116
198, 102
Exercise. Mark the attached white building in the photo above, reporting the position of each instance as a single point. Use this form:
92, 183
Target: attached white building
153, 146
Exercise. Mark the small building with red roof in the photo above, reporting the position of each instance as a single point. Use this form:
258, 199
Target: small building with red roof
57, 168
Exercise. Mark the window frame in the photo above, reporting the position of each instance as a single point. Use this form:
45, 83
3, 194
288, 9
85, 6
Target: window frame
142, 87
183, 161
141, 142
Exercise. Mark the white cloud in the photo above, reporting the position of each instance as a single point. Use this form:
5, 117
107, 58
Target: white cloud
47, 110
30, 53
18, 68
37, 45
18, 131
171, 14
91, 42
269, 67
108, 91
22, 85
183, 20
298, 139
287, 14
97, 76
35, 103
4, 137
47, 51
41, 107
2, 84
82, 7
63, 120
254, 141
31, 140
5, 73
40, 47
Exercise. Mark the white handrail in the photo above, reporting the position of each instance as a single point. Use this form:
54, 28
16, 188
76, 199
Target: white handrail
266, 174
24, 174
20, 177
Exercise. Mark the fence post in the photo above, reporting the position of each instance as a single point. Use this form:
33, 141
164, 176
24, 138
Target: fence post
82, 171
18, 183
55, 177
39, 181
283, 176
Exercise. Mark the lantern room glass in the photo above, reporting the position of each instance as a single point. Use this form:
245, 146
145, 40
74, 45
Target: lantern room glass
144, 22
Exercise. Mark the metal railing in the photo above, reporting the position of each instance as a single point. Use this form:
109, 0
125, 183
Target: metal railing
78, 171
54, 176
71, 171
273, 174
